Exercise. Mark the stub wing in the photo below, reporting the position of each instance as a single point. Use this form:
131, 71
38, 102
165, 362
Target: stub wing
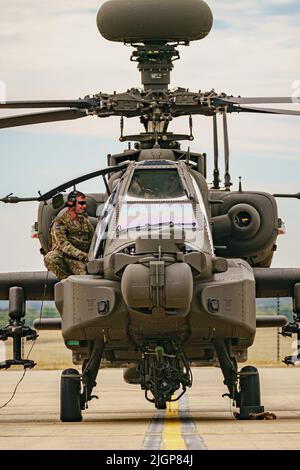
277, 282
37, 285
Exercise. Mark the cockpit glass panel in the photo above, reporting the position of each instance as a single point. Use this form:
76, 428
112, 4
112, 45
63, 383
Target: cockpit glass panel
154, 184
178, 220
133, 215
156, 204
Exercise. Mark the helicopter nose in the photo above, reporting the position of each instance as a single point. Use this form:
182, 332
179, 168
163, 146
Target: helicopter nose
158, 286
156, 21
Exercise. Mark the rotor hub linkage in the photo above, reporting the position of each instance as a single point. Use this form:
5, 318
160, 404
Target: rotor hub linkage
16, 329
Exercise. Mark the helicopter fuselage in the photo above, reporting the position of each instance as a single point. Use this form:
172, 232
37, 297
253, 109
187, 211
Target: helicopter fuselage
154, 275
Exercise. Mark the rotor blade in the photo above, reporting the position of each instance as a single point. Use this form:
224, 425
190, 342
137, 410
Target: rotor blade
80, 179
15, 199
262, 100
46, 104
294, 196
49, 194
37, 118
244, 109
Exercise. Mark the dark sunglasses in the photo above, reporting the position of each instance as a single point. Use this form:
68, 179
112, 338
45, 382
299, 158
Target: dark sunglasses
81, 203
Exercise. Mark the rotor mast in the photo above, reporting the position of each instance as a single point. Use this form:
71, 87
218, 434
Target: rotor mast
155, 62
154, 29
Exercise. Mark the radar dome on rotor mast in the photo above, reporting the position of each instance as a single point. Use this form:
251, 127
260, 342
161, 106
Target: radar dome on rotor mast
154, 21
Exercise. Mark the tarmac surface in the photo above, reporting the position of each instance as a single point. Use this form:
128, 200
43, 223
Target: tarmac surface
123, 420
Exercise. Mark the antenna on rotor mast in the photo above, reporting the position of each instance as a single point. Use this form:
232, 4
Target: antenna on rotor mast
155, 30
227, 178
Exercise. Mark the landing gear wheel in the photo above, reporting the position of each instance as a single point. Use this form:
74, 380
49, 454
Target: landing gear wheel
161, 404
249, 393
70, 396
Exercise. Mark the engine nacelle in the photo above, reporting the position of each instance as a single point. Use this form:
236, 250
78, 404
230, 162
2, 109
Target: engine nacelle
245, 225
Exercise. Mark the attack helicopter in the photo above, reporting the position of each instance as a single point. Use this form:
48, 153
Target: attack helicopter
175, 265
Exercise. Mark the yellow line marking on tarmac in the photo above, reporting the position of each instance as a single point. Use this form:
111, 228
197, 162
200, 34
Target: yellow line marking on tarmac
171, 437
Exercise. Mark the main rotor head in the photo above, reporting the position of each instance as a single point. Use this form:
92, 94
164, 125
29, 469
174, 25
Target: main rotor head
154, 28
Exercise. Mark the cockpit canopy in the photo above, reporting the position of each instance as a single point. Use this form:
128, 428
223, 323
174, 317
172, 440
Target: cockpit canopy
154, 184
158, 200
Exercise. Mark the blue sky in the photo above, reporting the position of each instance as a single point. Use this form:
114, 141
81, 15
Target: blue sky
53, 50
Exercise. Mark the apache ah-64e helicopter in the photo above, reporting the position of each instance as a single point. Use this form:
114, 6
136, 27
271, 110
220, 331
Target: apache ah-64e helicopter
175, 266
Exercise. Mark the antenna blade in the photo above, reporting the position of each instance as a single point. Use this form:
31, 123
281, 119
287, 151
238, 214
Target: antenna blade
216, 182
227, 179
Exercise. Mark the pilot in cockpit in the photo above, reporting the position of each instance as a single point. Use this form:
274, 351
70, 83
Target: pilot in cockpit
139, 187
154, 184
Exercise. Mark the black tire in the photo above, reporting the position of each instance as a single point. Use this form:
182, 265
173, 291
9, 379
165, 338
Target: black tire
250, 388
249, 400
161, 404
70, 397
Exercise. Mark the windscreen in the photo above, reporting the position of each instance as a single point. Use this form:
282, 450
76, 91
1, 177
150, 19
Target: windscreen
156, 184
156, 204
168, 220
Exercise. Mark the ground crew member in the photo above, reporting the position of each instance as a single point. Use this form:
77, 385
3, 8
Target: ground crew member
69, 239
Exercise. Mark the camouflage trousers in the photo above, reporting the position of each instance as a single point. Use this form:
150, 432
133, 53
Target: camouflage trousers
62, 266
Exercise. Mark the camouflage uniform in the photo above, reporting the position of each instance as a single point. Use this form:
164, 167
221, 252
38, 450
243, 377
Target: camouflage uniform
69, 242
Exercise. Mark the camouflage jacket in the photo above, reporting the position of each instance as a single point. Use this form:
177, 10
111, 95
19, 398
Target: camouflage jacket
72, 238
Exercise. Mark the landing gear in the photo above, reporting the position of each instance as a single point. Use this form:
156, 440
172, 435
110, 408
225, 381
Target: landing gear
161, 404
249, 393
164, 369
76, 389
70, 409
243, 386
